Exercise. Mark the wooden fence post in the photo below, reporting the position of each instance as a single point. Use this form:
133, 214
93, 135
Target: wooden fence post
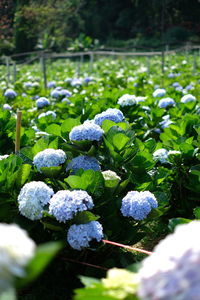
18, 130
43, 67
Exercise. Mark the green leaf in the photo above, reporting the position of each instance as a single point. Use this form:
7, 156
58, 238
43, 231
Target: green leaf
120, 140
84, 217
196, 212
40, 145
51, 171
195, 170
74, 181
89, 281
44, 254
68, 124
177, 221
23, 174
54, 129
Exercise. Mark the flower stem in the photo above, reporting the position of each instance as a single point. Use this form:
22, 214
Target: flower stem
127, 247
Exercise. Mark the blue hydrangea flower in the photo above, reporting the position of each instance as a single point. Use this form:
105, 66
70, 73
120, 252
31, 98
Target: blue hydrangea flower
27, 85
165, 102
65, 93
48, 113
51, 84
172, 272
166, 122
55, 94
42, 101
127, 100
189, 87
176, 84
10, 94
188, 98
76, 82
49, 158
83, 162
159, 93
7, 107
161, 155
64, 205
112, 114
80, 236
138, 204
87, 131
87, 79
33, 197
66, 100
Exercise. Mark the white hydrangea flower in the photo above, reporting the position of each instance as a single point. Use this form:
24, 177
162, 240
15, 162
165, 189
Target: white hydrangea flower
4, 156
120, 283
49, 158
172, 272
110, 175
161, 155
16, 250
159, 93
127, 100
32, 199
188, 98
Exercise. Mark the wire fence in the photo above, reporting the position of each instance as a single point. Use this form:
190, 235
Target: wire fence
42, 56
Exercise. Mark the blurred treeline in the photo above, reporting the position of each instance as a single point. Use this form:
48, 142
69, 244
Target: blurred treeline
27, 25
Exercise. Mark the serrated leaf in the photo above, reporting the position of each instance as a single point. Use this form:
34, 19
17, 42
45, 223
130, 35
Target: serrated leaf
68, 124
54, 129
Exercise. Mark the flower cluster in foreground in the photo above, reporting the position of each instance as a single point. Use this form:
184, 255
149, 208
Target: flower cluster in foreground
138, 204
172, 272
49, 158
32, 199
87, 131
79, 236
64, 205
16, 250
112, 114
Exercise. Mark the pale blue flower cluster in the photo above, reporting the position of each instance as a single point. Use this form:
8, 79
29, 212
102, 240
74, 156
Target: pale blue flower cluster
161, 155
10, 94
159, 93
172, 272
165, 102
188, 98
80, 236
59, 93
127, 100
42, 102
51, 84
112, 114
64, 205
166, 122
75, 82
48, 113
87, 131
138, 204
49, 158
33, 197
83, 162
66, 100
7, 107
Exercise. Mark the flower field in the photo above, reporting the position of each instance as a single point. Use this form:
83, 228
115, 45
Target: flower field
109, 155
